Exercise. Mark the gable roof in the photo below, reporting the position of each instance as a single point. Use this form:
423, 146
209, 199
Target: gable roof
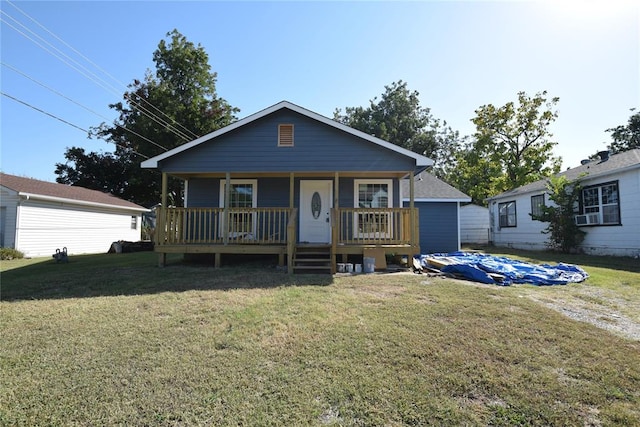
427, 187
596, 168
421, 161
51, 191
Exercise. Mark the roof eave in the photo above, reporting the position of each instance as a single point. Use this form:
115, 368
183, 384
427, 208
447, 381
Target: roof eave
80, 202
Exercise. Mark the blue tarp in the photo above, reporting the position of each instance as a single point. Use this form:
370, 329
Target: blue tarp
477, 267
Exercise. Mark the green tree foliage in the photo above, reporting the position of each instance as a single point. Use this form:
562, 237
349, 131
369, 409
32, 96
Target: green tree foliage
511, 147
626, 137
397, 117
176, 105
564, 234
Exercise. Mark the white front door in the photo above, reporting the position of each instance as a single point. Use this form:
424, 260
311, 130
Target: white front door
316, 200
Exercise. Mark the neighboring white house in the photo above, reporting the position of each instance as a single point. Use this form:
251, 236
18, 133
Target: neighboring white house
609, 208
438, 206
474, 224
38, 217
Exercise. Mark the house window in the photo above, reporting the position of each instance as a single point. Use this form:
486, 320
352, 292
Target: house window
373, 197
537, 205
507, 214
601, 204
134, 222
242, 197
285, 135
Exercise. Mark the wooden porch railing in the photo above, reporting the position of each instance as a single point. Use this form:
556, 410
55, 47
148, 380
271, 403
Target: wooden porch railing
375, 226
263, 226
179, 226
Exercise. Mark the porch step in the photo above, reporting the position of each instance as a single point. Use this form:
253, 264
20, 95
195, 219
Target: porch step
312, 259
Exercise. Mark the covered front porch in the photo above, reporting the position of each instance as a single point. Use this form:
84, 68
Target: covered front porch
351, 231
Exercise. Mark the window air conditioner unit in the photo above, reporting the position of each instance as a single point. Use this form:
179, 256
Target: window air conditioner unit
587, 219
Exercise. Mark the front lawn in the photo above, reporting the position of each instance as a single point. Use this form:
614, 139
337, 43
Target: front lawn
115, 340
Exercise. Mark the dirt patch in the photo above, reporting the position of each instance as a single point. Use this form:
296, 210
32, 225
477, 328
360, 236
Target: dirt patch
606, 314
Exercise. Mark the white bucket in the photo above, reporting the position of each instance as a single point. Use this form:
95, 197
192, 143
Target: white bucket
340, 267
358, 268
369, 265
349, 267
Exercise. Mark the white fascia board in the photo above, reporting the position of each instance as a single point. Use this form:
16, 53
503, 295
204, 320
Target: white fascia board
421, 161
30, 196
462, 200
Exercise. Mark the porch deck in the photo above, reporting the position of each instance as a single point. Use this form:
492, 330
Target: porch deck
275, 231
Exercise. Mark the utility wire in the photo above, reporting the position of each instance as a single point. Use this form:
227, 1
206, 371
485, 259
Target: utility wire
97, 66
80, 105
95, 79
90, 75
57, 118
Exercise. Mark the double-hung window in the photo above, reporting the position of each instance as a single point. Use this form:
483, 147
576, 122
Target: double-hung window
507, 214
243, 196
602, 204
373, 197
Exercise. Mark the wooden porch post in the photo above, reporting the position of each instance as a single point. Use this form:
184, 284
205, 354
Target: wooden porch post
335, 222
162, 256
411, 207
292, 187
227, 199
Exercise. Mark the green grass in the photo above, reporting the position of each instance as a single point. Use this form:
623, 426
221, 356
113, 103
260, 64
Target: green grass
115, 340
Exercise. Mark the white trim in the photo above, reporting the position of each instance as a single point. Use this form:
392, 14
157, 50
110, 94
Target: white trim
427, 199
254, 204
356, 204
458, 227
421, 161
31, 196
254, 194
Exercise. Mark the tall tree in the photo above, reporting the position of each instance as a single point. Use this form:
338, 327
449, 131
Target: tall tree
511, 147
397, 117
626, 137
173, 106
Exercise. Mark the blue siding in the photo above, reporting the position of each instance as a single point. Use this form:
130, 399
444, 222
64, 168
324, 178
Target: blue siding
438, 226
317, 147
272, 192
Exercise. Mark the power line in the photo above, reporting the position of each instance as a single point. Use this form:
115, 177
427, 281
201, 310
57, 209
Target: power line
80, 105
58, 118
43, 112
97, 66
91, 76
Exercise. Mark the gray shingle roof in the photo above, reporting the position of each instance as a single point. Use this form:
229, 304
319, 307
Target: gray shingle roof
80, 194
592, 169
427, 186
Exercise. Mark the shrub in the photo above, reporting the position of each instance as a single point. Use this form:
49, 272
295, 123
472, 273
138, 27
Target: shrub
10, 253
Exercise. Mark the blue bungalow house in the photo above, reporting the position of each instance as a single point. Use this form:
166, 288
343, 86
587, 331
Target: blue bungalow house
290, 182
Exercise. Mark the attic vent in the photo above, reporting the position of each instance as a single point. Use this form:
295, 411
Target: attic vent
285, 135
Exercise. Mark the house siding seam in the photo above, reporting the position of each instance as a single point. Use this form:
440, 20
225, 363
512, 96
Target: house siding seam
318, 148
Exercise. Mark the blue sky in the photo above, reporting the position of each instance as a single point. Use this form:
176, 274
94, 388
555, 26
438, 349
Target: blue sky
322, 56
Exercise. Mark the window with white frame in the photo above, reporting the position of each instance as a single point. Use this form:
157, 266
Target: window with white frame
537, 205
602, 203
243, 196
372, 197
507, 214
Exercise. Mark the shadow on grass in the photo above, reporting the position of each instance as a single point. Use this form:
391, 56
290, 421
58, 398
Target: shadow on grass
87, 276
548, 257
